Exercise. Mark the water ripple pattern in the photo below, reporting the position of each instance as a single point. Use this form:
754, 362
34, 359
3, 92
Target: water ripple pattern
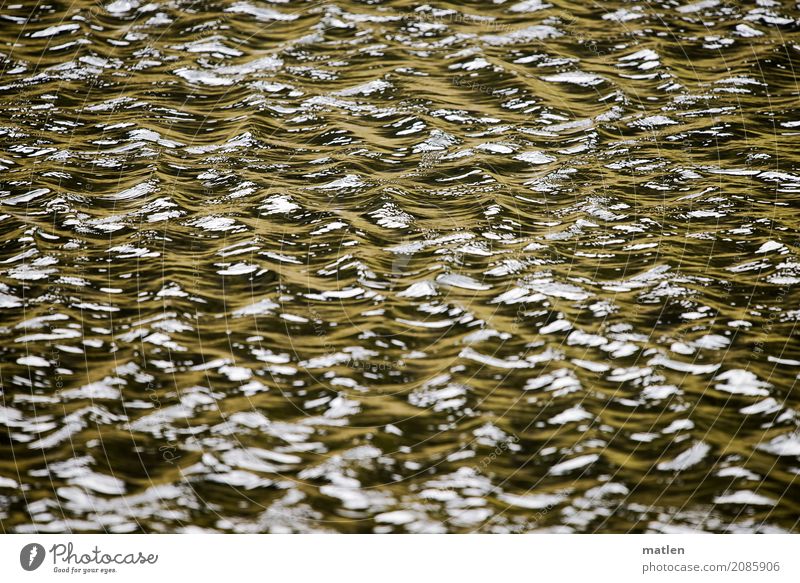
384, 266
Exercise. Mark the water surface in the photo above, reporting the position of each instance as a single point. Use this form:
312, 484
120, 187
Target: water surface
374, 266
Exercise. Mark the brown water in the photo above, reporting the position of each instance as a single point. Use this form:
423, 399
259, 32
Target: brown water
382, 267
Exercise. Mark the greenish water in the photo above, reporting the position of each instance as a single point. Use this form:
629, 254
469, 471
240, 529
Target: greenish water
393, 267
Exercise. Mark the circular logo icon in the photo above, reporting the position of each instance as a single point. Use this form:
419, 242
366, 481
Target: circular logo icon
31, 556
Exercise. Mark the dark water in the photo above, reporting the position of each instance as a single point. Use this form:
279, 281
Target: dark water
387, 267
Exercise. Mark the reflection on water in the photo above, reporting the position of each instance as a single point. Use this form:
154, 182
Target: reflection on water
390, 267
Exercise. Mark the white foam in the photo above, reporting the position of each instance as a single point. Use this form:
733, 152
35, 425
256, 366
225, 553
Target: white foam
532, 501
575, 463
54, 30
692, 456
535, 157
529, 6
741, 382
260, 13
524, 35
788, 444
576, 413
745, 497
462, 281
35, 361
575, 78
365, 88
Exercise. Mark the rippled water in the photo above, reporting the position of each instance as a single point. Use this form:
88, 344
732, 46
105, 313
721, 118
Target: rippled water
368, 266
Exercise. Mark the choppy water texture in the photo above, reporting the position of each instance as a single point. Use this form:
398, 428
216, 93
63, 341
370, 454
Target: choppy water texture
389, 267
